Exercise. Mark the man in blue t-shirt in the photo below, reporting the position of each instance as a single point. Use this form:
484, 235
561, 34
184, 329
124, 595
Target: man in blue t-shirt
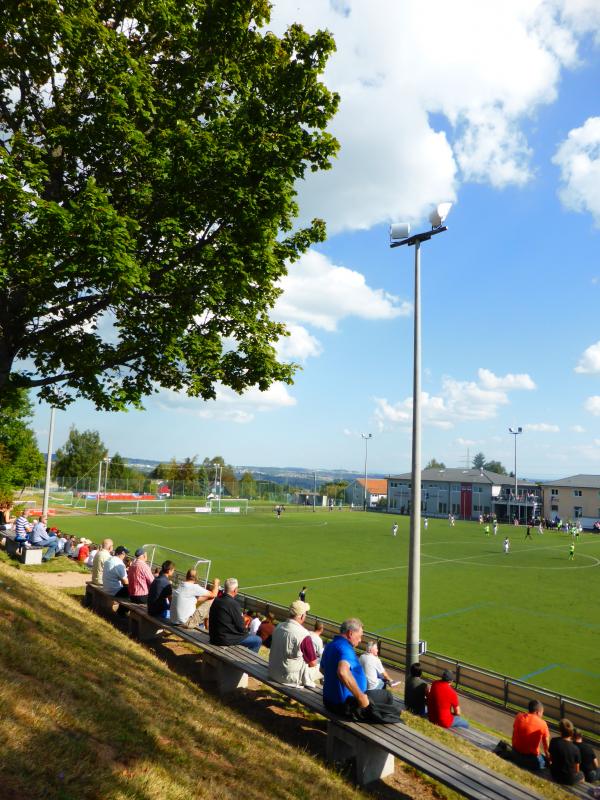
344, 680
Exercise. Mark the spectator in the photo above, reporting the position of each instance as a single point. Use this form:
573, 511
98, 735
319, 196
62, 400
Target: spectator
316, 636
70, 546
377, 677
565, 757
83, 551
442, 703
89, 562
114, 577
61, 541
265, 630
5, 518
22, 530
100, 559
416, 691
345, 683
530, 735
140, 578
292, 654
161, 591
589, 762
41, 538
192, 602
254, 623
226, 624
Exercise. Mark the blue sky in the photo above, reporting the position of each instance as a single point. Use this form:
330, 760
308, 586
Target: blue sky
498, 110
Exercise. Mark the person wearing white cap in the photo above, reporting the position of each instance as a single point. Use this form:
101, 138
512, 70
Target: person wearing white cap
292, 656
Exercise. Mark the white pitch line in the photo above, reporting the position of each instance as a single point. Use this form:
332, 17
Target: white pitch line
404, 566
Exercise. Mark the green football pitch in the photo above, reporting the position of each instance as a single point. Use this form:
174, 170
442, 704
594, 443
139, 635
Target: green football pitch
532, 614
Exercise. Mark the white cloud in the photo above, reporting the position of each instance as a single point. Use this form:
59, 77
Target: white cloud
579, 160
228, 406
542, 427
506, 382
592, 404
299, 345
465, 442
398, 64
459, 401
589, 363
319, 293
577, 429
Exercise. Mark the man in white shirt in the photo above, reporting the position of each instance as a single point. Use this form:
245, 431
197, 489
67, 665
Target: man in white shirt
377, 677
114, 578
190, 603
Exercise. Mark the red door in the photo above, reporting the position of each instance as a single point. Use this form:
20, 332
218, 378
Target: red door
466, 500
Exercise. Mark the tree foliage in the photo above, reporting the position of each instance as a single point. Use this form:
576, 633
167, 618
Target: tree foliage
21, 462
149, 151
479, 462
434, 464
80, 455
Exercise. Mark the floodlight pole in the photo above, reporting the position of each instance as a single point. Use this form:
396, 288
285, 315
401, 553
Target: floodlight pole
414, 547
99, 487
366, 437
45, 501
516, 432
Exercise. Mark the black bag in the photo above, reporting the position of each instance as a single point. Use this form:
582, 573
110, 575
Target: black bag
381, 709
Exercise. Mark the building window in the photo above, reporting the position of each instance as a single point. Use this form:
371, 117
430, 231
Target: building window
578, 511
442, 508
553, 508
456, 508
554, 491
576, 492
456, 487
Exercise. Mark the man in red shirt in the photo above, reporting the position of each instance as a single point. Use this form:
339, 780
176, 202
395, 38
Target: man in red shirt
442, 703
529, 732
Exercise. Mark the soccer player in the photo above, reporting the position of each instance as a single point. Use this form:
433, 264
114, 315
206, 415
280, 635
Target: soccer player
506, 545
572, 551
486, 529
495, 527
528, 532
394, 529
425, 523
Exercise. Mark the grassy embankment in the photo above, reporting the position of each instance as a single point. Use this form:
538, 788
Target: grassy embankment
87, 716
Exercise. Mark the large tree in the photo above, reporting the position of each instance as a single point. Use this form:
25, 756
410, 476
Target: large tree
80, 455
149, 151
21, 462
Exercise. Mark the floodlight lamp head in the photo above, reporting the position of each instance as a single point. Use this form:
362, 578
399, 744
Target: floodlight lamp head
399, 231
439, 214
515, 430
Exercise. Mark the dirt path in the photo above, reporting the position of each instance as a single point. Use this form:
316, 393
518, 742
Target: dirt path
61, 580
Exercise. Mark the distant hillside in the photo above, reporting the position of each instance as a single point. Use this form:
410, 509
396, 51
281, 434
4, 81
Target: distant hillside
299, 476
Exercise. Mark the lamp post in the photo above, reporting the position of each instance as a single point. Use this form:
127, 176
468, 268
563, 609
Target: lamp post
46, 499
515, 432
400, 235
366, 437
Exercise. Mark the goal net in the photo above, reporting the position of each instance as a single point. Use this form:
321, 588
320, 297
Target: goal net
61, 498
229, 505
122, 507
158, 554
